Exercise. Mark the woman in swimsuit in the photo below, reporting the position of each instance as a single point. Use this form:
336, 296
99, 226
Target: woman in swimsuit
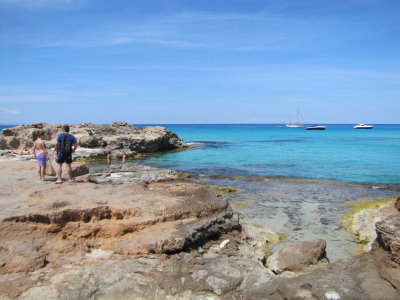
39, 150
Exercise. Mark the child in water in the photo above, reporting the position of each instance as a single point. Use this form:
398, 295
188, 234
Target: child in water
123, 157
109, 157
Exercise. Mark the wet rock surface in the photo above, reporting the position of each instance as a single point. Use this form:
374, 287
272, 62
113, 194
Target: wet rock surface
128, 173
298, 256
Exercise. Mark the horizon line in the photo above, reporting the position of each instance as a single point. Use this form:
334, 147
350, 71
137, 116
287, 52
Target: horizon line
161, 123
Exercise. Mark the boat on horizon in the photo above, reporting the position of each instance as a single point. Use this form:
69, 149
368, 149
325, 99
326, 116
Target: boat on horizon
316, 127
363, 126
295, 125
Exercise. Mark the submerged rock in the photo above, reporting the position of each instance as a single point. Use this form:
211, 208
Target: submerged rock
298, 256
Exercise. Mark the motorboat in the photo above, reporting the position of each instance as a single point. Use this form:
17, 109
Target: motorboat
316, 127
295, 125
363, 126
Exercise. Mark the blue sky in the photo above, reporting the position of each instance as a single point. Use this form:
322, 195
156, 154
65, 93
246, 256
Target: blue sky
209, 61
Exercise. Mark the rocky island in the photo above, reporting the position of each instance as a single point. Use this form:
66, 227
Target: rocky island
137, 232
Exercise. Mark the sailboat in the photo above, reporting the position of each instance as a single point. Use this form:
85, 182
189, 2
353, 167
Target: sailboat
295, 125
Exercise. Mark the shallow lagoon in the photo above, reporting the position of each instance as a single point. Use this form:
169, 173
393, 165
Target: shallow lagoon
302, 209
305, 181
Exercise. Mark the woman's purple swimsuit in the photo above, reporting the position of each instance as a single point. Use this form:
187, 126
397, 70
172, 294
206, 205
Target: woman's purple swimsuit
41, 159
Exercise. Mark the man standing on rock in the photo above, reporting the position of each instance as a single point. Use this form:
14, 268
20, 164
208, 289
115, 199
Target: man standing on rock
65, 146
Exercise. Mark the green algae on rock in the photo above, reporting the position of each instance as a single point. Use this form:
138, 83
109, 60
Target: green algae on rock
361, 219
241, 203
226, 189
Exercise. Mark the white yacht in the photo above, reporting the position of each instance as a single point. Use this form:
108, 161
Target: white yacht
295, 125
363, 126
316, 127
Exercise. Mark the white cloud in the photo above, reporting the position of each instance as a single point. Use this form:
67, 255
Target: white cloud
13, 94
9, 111
39, 4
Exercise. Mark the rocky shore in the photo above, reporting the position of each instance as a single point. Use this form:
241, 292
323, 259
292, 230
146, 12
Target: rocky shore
137, 232
152, 235
94, 140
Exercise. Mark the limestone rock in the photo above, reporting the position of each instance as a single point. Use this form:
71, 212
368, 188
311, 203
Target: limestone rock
259, 241
297, 256
120, 124
118, 136
388, 236
397, 203
364, 226
80, 169
81, 241
37, 125
353, 278
3, 143
129, 173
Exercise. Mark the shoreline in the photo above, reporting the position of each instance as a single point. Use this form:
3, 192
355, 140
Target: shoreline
342, 243
395, 187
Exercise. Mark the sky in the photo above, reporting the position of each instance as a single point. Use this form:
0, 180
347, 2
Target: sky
208, 61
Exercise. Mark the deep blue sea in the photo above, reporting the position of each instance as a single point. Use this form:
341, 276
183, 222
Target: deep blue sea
338, 153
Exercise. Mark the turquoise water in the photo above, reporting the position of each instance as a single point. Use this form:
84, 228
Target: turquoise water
338, 153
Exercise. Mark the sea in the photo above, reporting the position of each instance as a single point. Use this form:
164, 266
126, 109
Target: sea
294, 181
339, 153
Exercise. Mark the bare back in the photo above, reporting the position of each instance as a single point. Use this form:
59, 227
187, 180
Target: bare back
40, 146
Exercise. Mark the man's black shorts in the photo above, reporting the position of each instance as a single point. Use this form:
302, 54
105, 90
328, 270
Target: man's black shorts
62, 158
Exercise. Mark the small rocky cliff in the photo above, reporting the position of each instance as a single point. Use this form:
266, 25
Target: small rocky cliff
96, 140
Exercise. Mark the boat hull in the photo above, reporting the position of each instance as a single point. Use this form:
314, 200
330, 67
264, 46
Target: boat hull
363, 127
316, 128
294, 125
